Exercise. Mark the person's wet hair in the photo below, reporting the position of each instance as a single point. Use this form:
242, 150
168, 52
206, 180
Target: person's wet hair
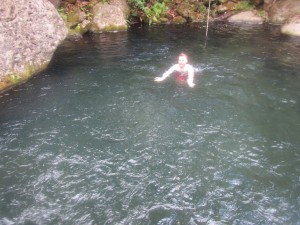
183, 54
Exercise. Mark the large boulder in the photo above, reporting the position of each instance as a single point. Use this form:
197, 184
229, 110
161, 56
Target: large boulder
30, 32
110, 17
281, 10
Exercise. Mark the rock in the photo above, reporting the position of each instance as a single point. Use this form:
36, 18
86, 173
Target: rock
268, 4
56, 3
281, 10
246, 17
230, 5
197, 17
292, 26
185, 9
178, 20
75, 17
221, 9
110, 17
122, 4
189, 11
85, 26
30, 33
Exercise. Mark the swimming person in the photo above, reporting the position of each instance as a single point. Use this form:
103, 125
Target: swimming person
184, 71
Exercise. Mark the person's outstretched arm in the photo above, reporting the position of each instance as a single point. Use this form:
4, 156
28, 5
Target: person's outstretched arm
190, 79
166, 74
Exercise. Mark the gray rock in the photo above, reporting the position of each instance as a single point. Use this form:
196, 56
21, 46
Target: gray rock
246, 17
292, 26
110, 17
281, 10
30, 32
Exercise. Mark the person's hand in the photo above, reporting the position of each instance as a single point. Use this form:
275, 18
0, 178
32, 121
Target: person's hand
158, 79
191, 85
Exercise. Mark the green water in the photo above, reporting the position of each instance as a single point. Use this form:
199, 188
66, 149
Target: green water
94, 140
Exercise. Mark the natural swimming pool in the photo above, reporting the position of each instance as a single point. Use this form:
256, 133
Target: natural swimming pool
94, 140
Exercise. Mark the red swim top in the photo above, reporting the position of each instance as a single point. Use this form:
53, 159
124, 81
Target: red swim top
181, 76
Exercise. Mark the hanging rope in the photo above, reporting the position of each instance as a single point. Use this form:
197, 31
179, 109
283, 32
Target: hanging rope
207, 20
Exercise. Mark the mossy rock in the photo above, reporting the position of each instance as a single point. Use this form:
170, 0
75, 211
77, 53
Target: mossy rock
3, 85
179, 20
15, 78
83, 27
185, 9
197, 17
75, 17
164, 20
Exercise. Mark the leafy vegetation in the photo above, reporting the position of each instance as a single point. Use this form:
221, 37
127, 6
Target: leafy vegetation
244, 5
154, 12
151, 11
202, 9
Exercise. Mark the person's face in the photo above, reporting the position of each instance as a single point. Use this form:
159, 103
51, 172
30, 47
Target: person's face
182, 60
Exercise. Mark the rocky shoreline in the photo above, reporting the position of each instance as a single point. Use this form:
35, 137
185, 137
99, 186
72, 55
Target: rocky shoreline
83, 16
32, 30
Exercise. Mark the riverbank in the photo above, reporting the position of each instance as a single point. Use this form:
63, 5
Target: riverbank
79, 15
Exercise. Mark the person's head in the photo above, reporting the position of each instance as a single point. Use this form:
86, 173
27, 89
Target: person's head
182, 60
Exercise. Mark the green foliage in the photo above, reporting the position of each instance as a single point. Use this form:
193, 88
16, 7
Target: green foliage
261, 13
156, 11
61, 10
202, 9
244, 5
139, 4
78, 28
159, 8
62, 13
152, 12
